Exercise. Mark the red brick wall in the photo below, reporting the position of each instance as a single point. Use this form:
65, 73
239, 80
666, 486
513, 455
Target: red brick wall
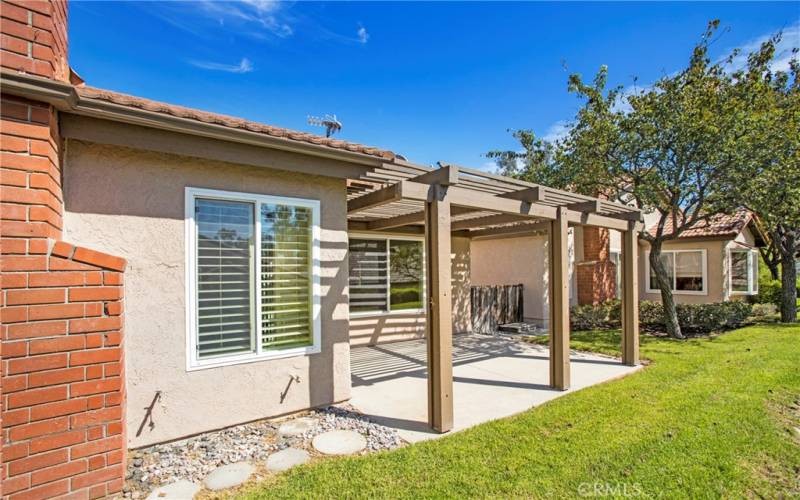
63, 394
596, 274
34, 37
63, 374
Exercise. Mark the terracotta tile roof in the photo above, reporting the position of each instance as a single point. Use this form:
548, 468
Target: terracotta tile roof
227, 121
719, 225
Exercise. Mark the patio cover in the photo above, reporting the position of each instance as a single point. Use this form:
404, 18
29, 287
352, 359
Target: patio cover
457, 201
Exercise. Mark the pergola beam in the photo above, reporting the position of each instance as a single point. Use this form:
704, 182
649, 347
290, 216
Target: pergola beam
489, 220
534, 194
444, 176
591, 206
518, 230
408, 219
478, 201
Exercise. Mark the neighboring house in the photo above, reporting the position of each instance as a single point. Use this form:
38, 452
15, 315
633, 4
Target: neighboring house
711, 262
714, 261
168, 271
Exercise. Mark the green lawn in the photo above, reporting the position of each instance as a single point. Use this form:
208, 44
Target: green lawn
708, 418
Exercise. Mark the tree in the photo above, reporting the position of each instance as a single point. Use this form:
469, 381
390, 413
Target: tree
770, 182
668, 149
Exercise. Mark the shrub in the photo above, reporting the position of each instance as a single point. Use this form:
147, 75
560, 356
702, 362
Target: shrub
769, 292
693, 318
764, 310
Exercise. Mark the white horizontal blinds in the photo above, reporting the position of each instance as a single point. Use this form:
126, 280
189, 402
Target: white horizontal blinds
286, 276
368, 275
225, 288
406, 274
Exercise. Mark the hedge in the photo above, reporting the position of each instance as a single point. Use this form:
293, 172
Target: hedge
693, 318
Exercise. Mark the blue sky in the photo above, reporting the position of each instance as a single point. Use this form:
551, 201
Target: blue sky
431, 81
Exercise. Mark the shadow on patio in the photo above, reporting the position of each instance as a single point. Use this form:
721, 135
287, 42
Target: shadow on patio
493, 377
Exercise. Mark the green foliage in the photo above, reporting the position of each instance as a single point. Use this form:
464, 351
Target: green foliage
686, 147
696, 318
769, 292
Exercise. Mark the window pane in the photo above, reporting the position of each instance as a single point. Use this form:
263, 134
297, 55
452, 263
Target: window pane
225, 286
754, 262
666, 258
406, 278
286, 276
367, 275
739, 270
689, 271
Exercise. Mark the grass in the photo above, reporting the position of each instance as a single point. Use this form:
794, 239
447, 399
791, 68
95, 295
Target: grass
710, 417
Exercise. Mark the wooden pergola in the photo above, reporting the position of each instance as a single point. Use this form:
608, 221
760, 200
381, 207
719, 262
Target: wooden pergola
457, 201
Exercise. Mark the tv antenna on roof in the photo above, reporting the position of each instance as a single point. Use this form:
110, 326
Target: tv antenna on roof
331, 124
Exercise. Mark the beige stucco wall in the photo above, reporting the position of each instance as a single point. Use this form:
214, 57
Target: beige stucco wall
394, 327
131, 203
716, 271
513, 261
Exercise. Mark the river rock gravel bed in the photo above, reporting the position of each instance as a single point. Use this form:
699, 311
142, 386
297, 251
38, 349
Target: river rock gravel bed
194, 458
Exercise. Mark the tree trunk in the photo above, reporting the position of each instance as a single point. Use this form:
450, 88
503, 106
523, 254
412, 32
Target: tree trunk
788, 249
665, 285
772, 258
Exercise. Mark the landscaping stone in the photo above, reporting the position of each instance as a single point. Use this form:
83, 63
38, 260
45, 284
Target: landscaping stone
286, 459
228, 476
297, 427
179, 490
339, 442
192, 459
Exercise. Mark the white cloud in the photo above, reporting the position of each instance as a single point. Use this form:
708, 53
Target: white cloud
258, 15
783, 50
363, 36
557, 131
244, 66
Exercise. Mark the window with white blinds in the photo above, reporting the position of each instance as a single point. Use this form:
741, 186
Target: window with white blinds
386, 274
253, 277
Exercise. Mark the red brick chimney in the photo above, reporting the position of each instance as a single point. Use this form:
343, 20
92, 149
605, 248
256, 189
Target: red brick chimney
596, 273
61, 352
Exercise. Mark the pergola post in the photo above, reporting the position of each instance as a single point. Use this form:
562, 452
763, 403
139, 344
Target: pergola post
559, 302
630, 296
439, 310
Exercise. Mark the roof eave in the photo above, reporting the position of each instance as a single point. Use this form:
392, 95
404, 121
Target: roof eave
64, 98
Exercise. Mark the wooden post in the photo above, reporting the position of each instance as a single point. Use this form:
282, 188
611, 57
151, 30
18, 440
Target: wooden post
559, 302
439, 318
630, 296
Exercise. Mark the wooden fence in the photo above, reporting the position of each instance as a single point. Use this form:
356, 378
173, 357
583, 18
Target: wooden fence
491, 306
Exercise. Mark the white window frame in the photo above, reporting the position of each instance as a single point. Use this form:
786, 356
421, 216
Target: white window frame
703, 260
388, 238
752, 281
193, 362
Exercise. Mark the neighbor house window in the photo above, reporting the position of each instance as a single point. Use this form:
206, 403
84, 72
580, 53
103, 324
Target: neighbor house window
253, 277
386, 274
686, 271
744, 271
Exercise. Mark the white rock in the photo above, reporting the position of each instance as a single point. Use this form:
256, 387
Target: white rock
297, 427
228, 476
339, 442
286, 459
179, 490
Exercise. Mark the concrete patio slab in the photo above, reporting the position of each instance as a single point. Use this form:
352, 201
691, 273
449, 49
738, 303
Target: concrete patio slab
493, 377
